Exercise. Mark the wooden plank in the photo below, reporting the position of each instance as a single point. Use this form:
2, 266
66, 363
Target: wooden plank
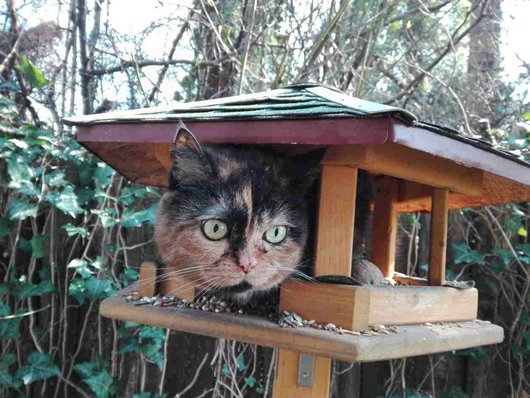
438, 244
357, 307
147, 286
180, 287
496, 190
403, 279
410, 164
408, 341
286, 382
344, 306
385, 225
405, 305
336, 218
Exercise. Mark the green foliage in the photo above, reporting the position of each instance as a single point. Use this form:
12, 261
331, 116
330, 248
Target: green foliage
465, 255
32, 73
40, 366
453, 392
96, 375
142, 339
7, 378
474, 352
410, 393
9, 328
148, 395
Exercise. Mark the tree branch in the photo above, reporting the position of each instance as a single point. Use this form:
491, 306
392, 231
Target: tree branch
142, 64
453, 41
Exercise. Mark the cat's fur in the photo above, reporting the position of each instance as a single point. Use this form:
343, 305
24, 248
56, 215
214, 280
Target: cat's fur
251, 191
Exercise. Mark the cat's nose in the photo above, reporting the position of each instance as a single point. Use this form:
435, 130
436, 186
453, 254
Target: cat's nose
245, 261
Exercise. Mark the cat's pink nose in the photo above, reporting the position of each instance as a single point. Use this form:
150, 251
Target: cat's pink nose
245, 261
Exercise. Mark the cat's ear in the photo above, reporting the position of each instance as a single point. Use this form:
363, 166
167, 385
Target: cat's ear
189, 162
185, 139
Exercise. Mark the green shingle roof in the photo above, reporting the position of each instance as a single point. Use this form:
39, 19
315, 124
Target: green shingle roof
298, 101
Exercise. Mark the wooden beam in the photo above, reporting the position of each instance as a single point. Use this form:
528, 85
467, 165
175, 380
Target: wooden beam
180, 287
147, 286
344, 306
408, 341
438, 245
336, 219
358, 307
410, 164
385, 225
286, 381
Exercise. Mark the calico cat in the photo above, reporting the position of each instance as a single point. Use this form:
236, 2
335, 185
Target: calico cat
235, 218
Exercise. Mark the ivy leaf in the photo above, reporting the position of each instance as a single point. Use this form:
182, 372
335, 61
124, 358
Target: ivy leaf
20, 173
67, 202
505, 255
106, 219
241, 366
37, 245
21, 208
32, 73
72, 230
158, 335
5, 227
4, 289
103, 175
152, 353
8, 327
40, 366
129, 345
6, 378
80, 266
29, 289
250, 381
464, 255
90, 288
99, 380
56, 178
134, 219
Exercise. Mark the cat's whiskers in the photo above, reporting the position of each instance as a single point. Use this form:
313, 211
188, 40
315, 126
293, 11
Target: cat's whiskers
194, 285
294, 271
207, 289
176, 273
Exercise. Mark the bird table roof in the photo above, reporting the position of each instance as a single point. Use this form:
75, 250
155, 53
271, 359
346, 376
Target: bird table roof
297, 118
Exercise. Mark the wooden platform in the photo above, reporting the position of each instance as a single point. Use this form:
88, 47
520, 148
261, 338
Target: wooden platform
410, 340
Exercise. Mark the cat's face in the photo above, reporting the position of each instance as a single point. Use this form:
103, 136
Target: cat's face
238, 216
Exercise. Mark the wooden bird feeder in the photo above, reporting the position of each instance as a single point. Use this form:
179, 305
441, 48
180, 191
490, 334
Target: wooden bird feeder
419, 167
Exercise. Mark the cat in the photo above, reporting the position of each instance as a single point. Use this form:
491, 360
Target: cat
236, 218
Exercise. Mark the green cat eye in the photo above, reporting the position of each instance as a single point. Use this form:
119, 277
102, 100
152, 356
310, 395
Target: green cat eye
214, 229
275, 234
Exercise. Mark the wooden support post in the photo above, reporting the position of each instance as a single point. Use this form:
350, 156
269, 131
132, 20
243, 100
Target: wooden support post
336, 218
440, 199
147, 285
180, 287
385, 226
287, 380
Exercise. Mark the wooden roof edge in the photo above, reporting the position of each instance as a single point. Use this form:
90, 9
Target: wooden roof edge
466, 153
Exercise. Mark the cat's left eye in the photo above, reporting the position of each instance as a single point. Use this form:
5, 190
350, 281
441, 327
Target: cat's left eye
214, 229
275, 234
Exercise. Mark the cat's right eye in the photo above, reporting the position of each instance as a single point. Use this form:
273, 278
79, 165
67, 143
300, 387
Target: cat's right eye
214, 229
